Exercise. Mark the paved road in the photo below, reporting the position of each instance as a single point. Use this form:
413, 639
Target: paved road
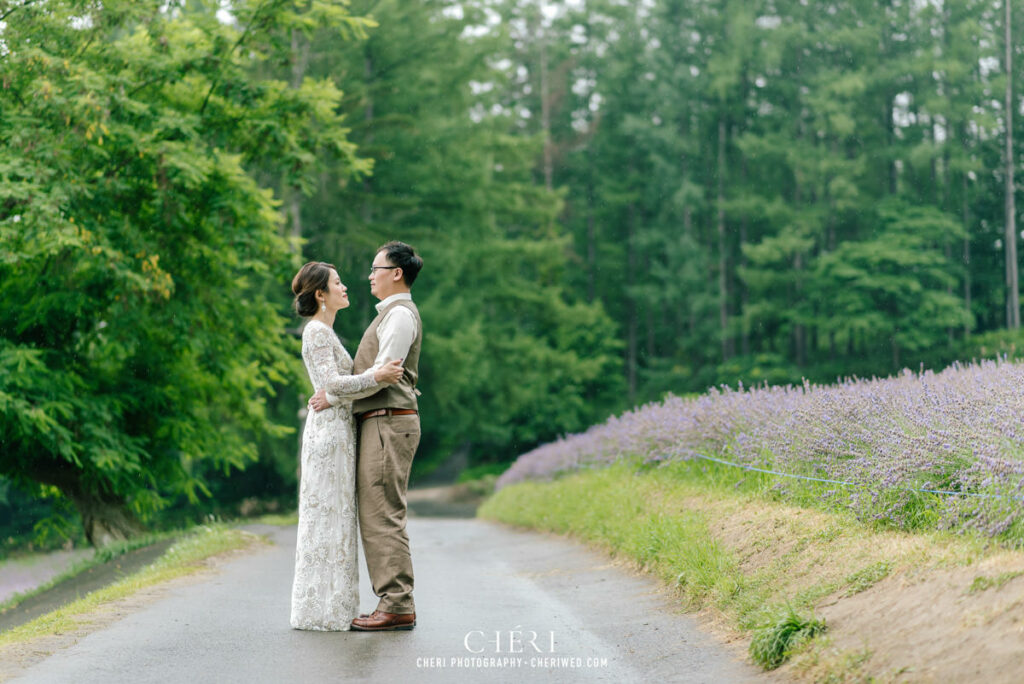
477, 584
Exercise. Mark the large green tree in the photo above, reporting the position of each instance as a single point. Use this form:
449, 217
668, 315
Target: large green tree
727, 166
137, 341
511, 355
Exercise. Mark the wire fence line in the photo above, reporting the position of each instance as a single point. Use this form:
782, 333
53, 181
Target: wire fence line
745, 466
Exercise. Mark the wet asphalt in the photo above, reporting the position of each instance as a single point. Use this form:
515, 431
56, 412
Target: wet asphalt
493, 605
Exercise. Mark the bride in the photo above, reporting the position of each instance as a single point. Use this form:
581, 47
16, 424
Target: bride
325, 593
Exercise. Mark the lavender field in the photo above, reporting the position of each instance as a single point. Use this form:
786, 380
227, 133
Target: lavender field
959, 433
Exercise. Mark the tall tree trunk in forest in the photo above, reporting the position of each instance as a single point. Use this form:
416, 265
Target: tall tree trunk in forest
1012, 291
366, 210
545, 110
799, 331
591, 231
723, 281
744, 291
691, 314
946, 204
965, 206
649, 329
368, 118
631, 313
300, 60
890, 143
830, 241
691, 311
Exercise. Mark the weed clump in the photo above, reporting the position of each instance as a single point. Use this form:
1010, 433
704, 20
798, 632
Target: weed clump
775, 640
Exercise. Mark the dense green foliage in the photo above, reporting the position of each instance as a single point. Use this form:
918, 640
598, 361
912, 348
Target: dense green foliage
764, 190
613, 199
510, 357
136, 344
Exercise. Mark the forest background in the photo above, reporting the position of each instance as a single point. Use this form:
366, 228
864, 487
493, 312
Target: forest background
613, 199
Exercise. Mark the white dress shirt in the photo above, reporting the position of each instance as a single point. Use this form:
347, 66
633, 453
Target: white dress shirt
395, 335
396, 332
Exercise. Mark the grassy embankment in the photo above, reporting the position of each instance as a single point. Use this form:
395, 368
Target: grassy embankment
762, 567
185, 557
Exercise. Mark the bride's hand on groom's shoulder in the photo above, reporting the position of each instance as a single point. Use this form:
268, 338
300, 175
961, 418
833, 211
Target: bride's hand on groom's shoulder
390, 373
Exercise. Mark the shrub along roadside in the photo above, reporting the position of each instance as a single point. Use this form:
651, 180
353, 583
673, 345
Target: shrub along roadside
724, 544
183, 558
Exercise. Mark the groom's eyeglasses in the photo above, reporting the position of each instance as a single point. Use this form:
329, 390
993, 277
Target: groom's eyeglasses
384, 268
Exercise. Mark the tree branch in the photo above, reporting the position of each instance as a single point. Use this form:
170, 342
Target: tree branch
15, 8
238, 43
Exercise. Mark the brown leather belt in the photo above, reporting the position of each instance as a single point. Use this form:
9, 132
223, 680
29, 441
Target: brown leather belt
386, 412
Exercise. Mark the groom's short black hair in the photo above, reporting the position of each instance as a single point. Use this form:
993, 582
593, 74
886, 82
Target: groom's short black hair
405, 257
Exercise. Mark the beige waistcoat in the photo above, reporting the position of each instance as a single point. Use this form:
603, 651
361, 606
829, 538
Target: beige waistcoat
403, 394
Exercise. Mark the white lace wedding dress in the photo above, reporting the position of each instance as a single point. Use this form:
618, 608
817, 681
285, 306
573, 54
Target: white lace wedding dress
325, 593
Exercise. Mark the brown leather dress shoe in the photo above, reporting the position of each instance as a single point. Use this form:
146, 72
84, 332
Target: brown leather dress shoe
378, 621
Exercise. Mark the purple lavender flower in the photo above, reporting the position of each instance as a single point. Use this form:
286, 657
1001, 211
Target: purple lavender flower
960, 430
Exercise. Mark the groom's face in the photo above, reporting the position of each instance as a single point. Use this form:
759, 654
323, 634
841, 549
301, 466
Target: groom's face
383, 276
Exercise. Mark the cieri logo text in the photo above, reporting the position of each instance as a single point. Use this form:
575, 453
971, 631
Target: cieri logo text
515, 640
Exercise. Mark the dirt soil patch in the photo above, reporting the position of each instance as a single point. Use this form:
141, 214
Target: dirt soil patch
934, 625
899, 607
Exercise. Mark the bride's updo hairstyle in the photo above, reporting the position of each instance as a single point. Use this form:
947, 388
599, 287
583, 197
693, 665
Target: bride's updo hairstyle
313, 277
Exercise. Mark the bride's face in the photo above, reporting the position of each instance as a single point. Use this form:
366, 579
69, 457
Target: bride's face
336, 297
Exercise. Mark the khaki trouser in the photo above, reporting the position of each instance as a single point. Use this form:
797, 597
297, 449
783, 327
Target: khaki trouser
387, 445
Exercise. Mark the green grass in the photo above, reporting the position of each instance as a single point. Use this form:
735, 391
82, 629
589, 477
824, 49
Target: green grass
775, 640
982, 582
481, 471
183, 558
867, 577
781, 560
903, 509
279, 519
611, 508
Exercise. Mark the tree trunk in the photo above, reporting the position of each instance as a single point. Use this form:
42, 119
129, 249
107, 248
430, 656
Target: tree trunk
368, 114
649, 326
966, 253
545, 111
946, 203
744, 291
106, 517
691, 312
300, 60
890, 143
631, 313
723, 282
799, 331
1012, 288
591, 232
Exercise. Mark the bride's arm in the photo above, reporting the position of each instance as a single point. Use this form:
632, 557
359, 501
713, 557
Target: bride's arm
339, 387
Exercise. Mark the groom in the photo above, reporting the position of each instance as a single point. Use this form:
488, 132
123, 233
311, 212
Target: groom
389, 432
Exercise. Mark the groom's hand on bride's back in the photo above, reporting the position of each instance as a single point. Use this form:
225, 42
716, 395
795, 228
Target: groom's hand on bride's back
318, 402
390, 373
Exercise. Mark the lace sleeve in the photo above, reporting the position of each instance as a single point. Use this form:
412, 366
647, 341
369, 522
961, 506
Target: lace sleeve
327, 374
